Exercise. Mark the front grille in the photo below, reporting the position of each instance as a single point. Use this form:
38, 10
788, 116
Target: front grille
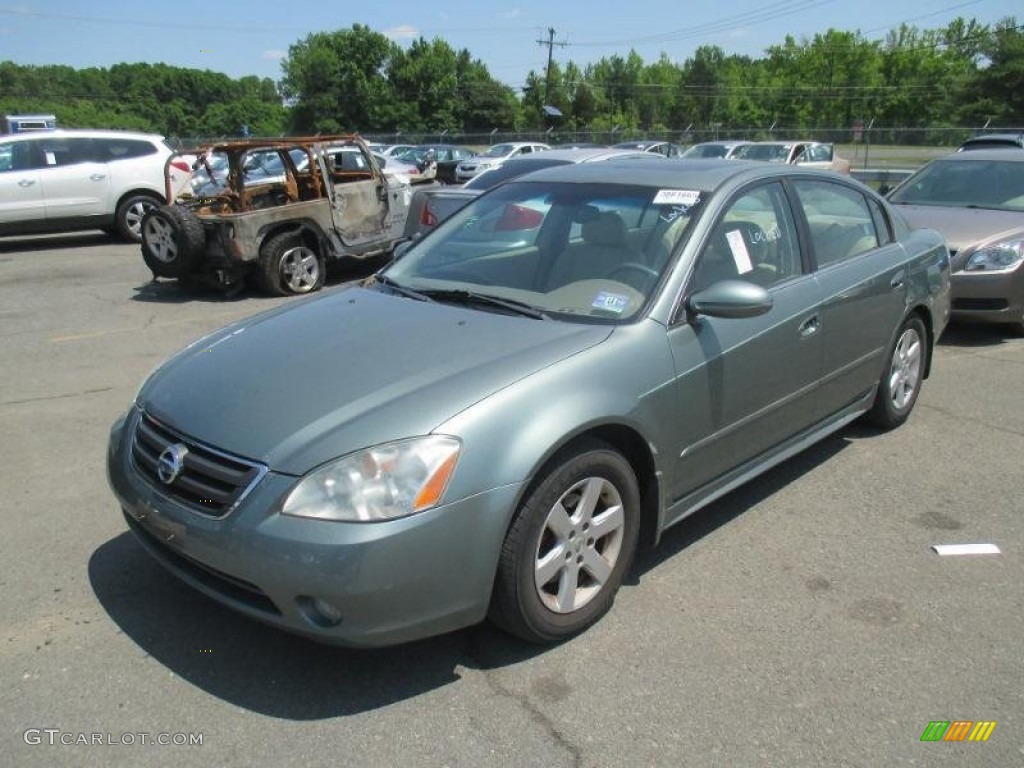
211, 482
984, 305
231, 587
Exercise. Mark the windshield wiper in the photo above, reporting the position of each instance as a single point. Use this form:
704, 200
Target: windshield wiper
472, 297
397, 287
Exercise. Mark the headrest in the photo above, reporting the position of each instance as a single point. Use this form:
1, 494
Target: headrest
607, 229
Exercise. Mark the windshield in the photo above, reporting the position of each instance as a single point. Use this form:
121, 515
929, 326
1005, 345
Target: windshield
584, 252
968, 183
773, 153
706, 150
498, 150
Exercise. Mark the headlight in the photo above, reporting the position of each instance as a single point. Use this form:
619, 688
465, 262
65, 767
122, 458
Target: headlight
998, 256
380, 483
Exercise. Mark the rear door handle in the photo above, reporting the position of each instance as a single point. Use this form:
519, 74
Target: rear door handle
810, 326
98, 176
897, 282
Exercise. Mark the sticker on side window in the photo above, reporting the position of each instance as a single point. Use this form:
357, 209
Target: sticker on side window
610, 302
685, 197
740, 254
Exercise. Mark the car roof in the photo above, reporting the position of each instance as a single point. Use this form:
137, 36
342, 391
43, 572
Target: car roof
999, 139
640, 143
784, 142
1005, 154
675, 174
576, 155
102, 133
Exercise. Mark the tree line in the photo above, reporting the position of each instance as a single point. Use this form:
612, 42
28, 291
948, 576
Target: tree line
356, 79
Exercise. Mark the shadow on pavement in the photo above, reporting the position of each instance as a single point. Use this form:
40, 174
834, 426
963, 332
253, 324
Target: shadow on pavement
732, 505
975, 335
265, 670
169, 291
26, 243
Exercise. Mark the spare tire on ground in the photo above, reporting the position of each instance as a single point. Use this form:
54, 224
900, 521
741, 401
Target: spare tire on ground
172, 240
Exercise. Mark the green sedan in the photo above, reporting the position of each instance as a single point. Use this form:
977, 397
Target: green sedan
488, 427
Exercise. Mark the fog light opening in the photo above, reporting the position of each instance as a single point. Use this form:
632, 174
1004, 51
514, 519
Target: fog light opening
319, 611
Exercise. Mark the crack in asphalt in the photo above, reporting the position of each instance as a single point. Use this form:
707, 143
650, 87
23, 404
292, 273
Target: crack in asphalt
57, 397
970, 420
535, 715
533, 712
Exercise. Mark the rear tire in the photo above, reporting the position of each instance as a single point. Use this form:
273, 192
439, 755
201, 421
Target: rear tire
904, 373
288, 266
172, 240
131, 212
569, 547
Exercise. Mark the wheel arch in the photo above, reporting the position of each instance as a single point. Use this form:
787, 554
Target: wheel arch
625, 440
921, 312
157, 195
310, 233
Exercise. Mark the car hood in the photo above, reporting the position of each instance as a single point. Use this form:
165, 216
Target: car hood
963, 227
297, 387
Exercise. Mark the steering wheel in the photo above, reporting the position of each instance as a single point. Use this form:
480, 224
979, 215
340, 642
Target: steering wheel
649, 274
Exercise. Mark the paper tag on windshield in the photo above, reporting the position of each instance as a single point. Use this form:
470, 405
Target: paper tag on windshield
740, 254
687, 197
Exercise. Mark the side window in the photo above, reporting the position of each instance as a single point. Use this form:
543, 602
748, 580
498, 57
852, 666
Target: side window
121, 149
525, 150
841, 223
755, 240
63, 152
6, 157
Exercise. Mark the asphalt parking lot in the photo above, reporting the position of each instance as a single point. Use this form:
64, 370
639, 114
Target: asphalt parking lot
803, 620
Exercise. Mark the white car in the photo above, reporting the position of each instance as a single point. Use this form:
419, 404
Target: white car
810, 154
55, 181
494, 157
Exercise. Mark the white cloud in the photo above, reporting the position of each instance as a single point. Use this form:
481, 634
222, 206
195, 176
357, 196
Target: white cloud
273, 55
510, 14
735, 34
403, 32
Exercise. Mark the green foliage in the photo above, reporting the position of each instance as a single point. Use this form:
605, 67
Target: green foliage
357, 79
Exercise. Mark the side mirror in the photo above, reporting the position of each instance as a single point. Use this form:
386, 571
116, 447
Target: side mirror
731, 299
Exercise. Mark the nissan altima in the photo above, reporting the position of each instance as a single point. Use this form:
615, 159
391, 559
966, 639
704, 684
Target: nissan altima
572, 363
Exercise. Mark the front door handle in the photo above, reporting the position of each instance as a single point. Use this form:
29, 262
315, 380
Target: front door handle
810, 326
26, 182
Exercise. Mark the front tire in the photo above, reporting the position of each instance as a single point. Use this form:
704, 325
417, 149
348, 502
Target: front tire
289, 266
903, 376
569, 546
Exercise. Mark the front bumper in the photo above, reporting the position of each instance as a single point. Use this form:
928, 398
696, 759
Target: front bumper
384, 583
990, 297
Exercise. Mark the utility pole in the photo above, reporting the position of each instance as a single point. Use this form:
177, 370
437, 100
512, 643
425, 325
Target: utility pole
550, 43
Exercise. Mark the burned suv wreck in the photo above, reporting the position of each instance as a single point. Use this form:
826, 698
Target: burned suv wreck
278, 210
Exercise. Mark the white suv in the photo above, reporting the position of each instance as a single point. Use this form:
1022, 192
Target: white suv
54, 181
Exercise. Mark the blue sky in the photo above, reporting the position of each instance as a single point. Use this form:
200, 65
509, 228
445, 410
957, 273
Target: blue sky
250, 37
